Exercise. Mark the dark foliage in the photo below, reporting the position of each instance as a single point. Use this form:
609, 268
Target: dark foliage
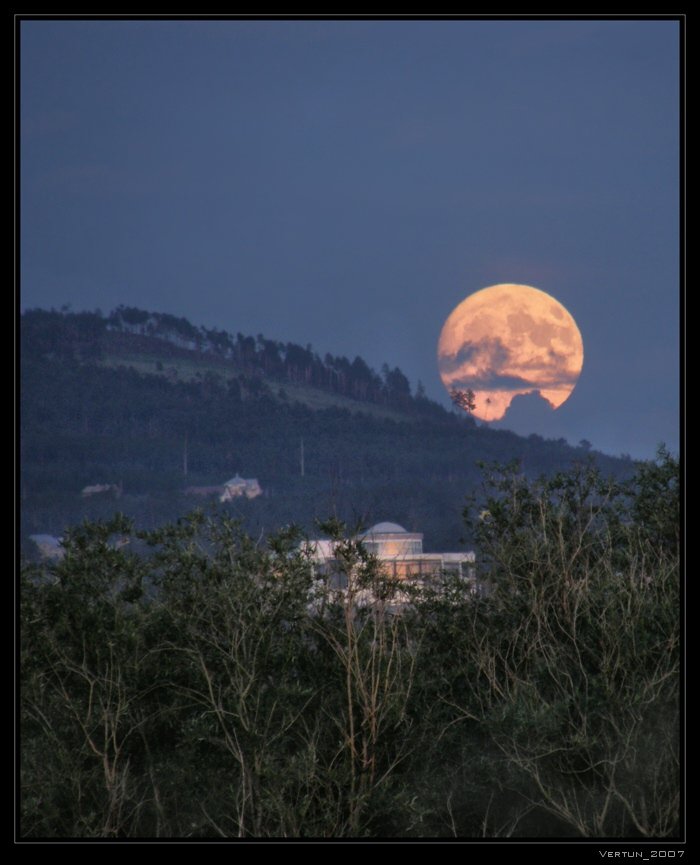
194, 681
148, 402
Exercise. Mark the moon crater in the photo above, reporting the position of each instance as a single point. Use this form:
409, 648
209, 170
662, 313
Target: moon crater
509, 340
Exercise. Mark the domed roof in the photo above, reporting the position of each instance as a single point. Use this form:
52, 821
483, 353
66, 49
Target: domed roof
387, 529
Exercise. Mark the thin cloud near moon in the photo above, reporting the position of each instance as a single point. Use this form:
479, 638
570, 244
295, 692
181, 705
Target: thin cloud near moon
509, 340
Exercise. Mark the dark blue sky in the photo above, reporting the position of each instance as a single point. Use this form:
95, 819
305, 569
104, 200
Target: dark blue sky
346, 184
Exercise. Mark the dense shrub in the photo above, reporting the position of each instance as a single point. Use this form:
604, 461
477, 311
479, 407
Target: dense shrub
213, 685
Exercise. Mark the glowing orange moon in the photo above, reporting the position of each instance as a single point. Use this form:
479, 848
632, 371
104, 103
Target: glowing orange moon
508, 340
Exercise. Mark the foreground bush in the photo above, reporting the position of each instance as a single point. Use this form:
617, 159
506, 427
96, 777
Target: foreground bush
212, 685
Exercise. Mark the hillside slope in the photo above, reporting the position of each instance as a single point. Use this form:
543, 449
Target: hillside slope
153, 405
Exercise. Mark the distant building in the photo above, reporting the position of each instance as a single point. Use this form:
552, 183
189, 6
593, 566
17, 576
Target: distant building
49, 547
204, 491
235, 488
400, 553
238, 487
101, 489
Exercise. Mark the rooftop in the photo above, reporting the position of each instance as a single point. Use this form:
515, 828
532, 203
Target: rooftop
387, 529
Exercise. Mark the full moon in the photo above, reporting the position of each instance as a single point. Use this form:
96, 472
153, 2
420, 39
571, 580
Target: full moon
509, 340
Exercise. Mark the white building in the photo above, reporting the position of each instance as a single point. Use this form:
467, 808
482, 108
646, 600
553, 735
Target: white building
400, 553
101, 489
48, 546
238, 486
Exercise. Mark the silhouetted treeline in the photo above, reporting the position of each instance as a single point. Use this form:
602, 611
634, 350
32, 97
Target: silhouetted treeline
86, 335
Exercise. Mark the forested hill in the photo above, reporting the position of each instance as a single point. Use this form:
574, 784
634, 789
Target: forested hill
129, 336
152, 404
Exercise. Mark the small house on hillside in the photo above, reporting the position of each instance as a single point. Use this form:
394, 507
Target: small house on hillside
204, 491
101, 490
238, 487
235, 488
